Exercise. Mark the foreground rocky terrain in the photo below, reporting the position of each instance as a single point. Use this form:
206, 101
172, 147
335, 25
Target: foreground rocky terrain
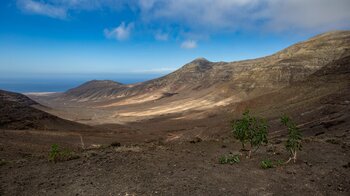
189, 168
165, 136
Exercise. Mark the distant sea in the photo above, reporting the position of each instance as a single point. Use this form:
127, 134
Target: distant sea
26, 85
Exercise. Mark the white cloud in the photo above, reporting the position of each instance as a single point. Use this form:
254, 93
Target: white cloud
60, 9
40, 8
269, 15
122, 32
146, 4
189, 44
161, 36
319, 15
212, 16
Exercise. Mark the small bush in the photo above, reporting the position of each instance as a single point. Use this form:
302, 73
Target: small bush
279, 163
266, 164
230, 159
250, 129
56, 154
293, 143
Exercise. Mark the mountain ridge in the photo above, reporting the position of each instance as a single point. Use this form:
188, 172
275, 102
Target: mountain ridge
280, 69
201, 87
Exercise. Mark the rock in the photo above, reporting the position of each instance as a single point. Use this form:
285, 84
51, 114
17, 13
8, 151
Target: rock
290, 172
308, 164
346, 166
115, 144
341, 189
319, 133
333, 141
196, 140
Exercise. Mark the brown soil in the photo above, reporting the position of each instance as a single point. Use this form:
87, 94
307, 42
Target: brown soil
181, 168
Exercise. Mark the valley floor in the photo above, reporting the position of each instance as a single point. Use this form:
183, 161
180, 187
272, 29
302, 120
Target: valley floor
181, 168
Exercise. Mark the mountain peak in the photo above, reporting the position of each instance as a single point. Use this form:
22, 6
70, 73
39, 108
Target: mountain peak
199, 63
200, 60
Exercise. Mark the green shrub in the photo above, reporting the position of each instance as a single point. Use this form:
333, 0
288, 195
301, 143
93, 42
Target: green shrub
279, 162
229, 159
293, 143
266, 164
250, 129
56, 154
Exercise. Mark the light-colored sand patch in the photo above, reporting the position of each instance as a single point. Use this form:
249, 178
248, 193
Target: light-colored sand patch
179, 106
136, 100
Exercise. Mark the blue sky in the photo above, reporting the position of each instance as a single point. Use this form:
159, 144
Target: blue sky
60, 38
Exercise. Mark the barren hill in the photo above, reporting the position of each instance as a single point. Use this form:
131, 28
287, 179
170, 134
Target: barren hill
95, 89
17, 111
201, 88
294, 63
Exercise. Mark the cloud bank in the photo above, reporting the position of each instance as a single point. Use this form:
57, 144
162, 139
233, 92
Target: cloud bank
193, 19
231, 15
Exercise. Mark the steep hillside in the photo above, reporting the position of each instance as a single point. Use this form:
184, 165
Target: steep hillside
202, 86
18, 112
289, 65
95, 89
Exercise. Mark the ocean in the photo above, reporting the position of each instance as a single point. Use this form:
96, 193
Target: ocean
26, 85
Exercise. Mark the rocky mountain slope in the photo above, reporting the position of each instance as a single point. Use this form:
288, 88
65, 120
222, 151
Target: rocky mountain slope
19, 112
95, 89
202, 86
294, 63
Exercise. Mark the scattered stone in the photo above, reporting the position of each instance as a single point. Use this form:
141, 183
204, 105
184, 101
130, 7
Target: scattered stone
90, 154
346, 166
196, 140
333, 141
307, 140
271, 149
290, 172
341, 189
328, 124
340, 136
3, 162
277, 141
308, 164
115, 144
319, 133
